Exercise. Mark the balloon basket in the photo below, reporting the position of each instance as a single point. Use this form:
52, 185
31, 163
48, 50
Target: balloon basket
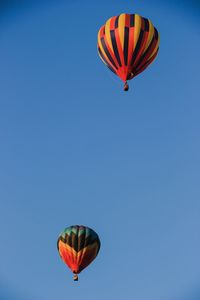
126, 87
75, 277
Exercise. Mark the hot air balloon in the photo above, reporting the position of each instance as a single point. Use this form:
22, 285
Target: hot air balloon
78, 246
127, 44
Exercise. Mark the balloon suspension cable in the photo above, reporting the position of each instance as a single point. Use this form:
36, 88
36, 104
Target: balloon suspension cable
75, 277
126, 86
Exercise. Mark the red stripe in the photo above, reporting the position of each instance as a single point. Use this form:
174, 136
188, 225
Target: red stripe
112, 23
127, 20
102, 31
121, 54
69, 259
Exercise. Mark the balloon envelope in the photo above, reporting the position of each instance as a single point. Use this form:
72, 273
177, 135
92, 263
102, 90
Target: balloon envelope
78, 246
127, 44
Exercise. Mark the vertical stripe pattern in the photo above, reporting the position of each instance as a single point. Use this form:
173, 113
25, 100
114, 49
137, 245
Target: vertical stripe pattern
128, 44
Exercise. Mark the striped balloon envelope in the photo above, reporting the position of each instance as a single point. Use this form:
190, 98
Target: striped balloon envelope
128, 44
78, 246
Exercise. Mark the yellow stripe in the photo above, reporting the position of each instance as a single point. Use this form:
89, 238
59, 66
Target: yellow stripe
150, 35
68, 248
138, 23
81, 255
99, 41
102, 50
122, 19
107, 34
88, 248
102, 59
153, 52
156, 48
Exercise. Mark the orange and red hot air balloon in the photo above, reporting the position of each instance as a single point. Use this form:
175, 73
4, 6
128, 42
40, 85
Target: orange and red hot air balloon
78, 246
127, 44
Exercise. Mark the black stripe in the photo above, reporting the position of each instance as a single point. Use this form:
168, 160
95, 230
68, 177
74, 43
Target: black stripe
109, 67
137, 48
126, 41
93, 253
146, 24
105, 60
115, 48
117, 22
145, 54
156, 34
81, 241
74, 239
132, 20
146, 63
78, 243
107, 52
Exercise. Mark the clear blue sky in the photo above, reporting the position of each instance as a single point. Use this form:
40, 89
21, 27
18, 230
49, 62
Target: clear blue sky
76, 149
